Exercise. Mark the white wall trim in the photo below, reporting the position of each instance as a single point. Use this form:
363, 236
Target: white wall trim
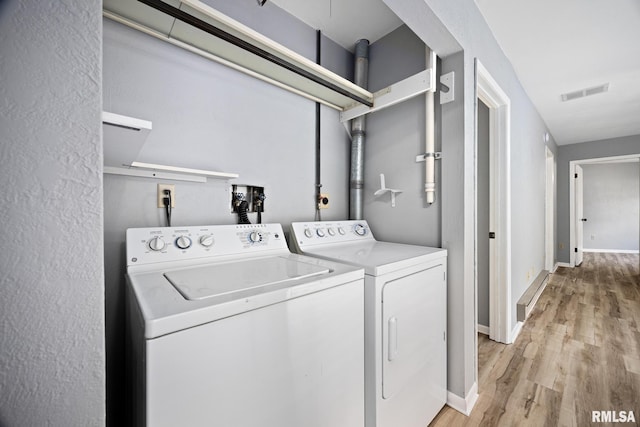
562, 264
515, 332
549, 204
484, 330
463, 405
499, 104
613, 251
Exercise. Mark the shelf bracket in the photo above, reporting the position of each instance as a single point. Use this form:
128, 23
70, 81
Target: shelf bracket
398, 92
384, 190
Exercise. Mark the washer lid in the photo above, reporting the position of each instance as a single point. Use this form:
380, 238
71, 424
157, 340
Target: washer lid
377, 258
227, 278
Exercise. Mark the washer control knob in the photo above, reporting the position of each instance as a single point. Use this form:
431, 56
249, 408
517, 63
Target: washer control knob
308, 233
255, 237
360, 229
341, 231
320, 232
157, 244
331, 231
183, 242
207, 241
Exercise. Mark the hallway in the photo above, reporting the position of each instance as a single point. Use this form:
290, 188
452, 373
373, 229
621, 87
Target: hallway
578, 352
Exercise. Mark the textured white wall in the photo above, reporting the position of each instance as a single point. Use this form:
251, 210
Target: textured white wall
52, 369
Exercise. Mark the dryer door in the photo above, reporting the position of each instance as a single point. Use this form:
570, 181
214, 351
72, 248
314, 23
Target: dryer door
412, 320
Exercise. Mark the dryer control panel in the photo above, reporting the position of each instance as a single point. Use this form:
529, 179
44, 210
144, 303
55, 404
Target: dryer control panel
322, 232
164, 244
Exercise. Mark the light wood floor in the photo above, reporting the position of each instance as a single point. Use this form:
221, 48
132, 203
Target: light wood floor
579, 351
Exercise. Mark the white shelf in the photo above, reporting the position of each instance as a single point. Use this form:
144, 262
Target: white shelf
123, 138
260, 56
201, 29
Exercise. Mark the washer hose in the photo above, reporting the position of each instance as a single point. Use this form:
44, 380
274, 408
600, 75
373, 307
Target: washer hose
243, 208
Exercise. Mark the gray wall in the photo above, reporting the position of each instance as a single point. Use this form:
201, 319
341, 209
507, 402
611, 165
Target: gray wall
395, 136
587, 150
52, 367
207, 116
611, 205
456, 30
482, 238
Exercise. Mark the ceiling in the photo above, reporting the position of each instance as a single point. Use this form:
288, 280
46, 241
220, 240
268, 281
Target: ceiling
555, 47
344, 21
563, 46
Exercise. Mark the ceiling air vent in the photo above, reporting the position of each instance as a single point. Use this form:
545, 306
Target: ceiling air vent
585, 92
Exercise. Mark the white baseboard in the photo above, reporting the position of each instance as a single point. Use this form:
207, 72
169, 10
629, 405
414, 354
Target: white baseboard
484, 330
463, 405
562, 264
515, 332
613, 251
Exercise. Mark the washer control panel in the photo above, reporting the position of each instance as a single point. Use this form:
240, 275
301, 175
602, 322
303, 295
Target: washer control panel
163, 244
323, 232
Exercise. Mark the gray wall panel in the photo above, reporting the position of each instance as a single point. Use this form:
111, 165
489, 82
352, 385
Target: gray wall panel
611, 204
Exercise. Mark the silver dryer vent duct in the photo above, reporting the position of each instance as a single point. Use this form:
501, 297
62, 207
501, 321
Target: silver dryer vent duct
356, 192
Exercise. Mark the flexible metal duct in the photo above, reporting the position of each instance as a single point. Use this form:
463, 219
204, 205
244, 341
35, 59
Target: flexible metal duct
361, 74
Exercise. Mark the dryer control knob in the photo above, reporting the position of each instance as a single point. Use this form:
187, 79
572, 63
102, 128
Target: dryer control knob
157, 244
360, 229
320, 232
308, 233
255, 237
183, 242
341, 231
331, 231
207, 241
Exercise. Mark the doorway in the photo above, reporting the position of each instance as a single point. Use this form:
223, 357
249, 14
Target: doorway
499, 205
483, 196
576, 217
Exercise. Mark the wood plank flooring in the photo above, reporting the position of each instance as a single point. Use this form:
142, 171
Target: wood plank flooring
578, 352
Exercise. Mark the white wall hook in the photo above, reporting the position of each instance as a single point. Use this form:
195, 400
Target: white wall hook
383, 190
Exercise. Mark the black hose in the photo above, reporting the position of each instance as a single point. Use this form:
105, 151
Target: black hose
243, 209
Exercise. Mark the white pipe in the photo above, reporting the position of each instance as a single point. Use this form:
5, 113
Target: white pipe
430, 135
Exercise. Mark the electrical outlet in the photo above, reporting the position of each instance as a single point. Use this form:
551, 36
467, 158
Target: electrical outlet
161, 195
323, 202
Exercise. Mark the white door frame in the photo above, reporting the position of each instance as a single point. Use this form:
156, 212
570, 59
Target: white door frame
489, 92
578, 191
572, 196
550, 185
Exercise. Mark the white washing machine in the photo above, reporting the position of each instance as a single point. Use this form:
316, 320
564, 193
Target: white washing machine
405, 318
230, 329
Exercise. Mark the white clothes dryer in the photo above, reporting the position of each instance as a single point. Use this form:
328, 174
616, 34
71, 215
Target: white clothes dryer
405, 318
228, 328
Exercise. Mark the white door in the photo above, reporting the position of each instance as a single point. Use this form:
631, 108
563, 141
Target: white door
579, 215
414, 316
